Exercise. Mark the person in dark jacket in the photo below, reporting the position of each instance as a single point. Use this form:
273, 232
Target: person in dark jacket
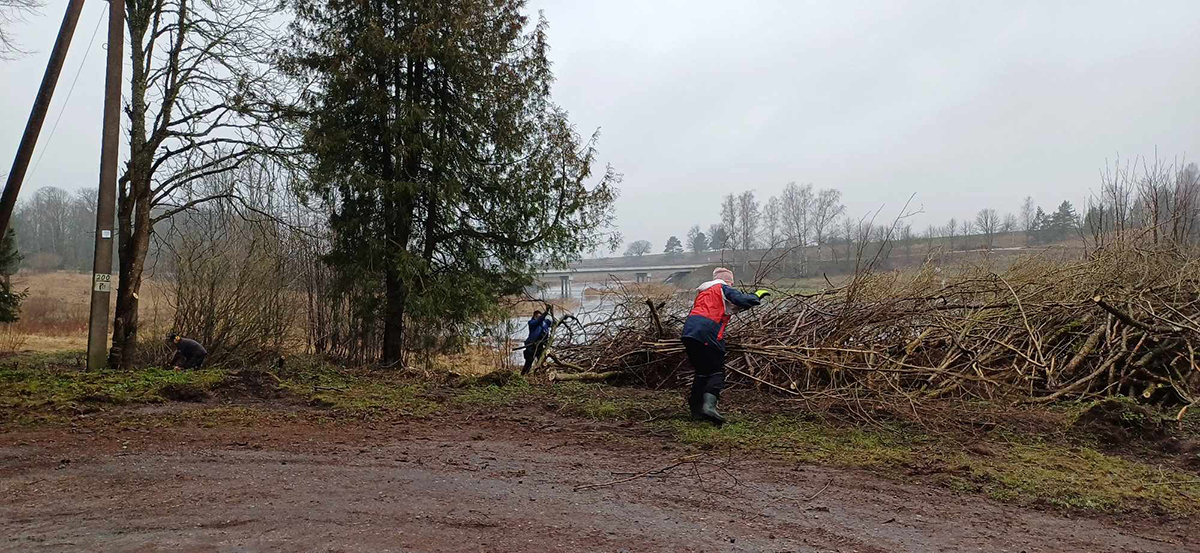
704, 339
539, 333
189, 354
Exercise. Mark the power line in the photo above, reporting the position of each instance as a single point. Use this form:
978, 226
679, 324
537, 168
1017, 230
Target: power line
49, 137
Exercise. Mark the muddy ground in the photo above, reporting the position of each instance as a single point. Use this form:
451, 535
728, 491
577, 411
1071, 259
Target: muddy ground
470, 481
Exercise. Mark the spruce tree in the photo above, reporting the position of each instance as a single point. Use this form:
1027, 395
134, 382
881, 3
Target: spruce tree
674, 246
452, 174
10, 259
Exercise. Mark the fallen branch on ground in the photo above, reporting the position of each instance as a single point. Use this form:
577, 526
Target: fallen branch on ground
675, 464
584, 376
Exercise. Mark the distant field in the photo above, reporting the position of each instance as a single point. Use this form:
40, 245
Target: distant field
54, 316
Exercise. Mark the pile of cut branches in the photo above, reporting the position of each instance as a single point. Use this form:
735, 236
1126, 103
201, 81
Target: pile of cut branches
1120, 322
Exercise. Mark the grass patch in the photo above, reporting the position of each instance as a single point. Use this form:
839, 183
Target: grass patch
511, 391
600, 402
590, 400
1027, 472
54, 382
806, 440
371, 393
1083, 478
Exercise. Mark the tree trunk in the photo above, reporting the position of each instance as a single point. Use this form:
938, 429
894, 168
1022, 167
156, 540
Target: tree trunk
407, 76
134, 246
393, 322
133, 209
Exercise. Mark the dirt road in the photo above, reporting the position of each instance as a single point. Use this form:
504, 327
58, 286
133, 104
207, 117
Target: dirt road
468, 483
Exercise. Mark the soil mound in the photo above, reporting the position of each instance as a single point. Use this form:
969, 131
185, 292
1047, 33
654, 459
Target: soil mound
1118, 422
184, 392
251, 384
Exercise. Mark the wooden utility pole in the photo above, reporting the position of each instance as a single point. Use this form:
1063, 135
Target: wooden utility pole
107, 198
37, 115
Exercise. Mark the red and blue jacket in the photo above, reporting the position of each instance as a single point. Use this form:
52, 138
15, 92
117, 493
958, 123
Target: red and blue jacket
715, 303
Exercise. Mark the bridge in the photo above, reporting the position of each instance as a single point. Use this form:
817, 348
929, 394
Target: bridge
642, 273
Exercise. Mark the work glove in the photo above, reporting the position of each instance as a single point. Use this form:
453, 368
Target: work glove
762, 293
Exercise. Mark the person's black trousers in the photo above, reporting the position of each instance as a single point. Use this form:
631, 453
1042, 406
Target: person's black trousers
532, 352
193, 362
709, 363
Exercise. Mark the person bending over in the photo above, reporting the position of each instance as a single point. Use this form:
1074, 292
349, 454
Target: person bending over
704, 340
189, 354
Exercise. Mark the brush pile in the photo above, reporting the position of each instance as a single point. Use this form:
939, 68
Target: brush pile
1120, 322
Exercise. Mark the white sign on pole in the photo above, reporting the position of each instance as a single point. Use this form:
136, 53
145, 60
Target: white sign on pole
103, 282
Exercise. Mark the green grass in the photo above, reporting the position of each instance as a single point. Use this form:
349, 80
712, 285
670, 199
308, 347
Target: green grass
1025, 471
55, 383
1082, 478
360, 393
806, 440
516, 390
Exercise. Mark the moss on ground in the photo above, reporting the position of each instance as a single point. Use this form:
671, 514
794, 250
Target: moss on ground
56, 383
514, 391
1023, 470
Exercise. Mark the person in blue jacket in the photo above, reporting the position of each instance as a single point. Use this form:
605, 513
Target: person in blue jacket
704, 339
539, 333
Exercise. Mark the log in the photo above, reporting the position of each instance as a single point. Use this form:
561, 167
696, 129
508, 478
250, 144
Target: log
584, 376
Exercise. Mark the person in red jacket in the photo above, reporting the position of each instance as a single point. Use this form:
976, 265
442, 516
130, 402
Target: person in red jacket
704, 339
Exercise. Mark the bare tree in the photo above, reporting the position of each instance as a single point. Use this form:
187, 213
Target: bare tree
56, 228
988, 222
771, 222
906, 235
204, 101
748, 218
697, 241
796, 218
13, 11
930, 234
46, 219
1009, 224
827, 208
1169, 196
796, 209
966, 228
834, 238
951, 231
876, 233
1027, 217
638, 248
718, 237
729, 222
850, 233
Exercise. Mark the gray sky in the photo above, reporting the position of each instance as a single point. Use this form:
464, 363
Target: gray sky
966, 104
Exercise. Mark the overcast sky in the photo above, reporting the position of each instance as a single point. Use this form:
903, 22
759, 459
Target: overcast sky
966, 104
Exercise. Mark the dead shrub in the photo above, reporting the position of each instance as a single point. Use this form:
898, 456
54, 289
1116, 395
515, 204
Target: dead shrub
52, 315
12, 339
231, 284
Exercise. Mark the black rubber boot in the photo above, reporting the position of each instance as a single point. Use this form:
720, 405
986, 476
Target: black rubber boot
695, 401
708, 409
